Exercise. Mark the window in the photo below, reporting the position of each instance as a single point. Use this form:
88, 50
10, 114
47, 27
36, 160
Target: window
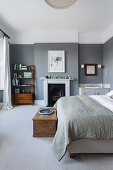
2, 65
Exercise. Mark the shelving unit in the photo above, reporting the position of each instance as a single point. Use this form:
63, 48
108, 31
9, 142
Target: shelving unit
22, 87
30, 85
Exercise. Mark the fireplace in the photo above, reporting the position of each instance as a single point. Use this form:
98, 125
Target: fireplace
56, 83
55, 91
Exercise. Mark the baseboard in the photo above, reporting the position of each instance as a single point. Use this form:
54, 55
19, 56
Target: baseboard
39, 102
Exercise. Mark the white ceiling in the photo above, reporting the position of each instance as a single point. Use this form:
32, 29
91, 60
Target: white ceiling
35, 16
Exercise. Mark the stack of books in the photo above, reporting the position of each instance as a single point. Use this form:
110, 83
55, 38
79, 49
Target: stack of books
17, 66
15, 82
24, 67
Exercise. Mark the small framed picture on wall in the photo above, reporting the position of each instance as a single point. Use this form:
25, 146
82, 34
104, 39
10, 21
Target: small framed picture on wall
90, 69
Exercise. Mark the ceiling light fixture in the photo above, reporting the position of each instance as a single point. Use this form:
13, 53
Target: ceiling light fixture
60, 4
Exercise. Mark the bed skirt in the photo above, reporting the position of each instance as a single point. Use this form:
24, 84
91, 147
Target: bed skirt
91, 146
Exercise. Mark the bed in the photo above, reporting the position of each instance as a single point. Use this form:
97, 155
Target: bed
85, 125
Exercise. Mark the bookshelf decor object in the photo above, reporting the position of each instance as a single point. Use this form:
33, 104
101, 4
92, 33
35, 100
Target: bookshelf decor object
22, 84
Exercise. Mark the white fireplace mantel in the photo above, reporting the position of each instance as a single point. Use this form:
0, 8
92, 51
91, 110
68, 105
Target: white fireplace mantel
55, 81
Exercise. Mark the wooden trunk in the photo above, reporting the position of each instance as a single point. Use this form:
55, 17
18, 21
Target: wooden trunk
44, 128
44, 125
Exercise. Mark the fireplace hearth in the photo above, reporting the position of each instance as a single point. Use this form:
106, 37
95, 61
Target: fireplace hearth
55, 91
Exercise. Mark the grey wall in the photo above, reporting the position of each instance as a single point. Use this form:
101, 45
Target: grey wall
1, 96
90, 54
22, 54
108, 62
37, 55
41, 65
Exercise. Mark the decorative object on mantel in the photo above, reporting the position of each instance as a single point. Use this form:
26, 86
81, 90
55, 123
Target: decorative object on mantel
48, 76
60, 4
57, 77
56, 61
90, 69
66, 77
70, 77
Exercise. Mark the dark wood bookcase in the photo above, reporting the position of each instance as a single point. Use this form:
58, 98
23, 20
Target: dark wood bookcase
22, 86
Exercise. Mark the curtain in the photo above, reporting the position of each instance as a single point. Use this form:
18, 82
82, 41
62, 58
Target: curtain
2, 61
7, 80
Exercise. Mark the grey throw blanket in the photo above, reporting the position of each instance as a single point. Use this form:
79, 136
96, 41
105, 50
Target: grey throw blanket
80, 117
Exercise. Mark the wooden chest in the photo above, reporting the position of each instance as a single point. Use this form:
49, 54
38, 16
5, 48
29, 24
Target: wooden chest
44, 125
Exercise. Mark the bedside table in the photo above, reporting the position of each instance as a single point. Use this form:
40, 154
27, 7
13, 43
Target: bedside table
44, 125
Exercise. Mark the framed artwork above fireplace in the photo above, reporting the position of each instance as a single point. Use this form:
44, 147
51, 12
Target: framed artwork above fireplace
56, 61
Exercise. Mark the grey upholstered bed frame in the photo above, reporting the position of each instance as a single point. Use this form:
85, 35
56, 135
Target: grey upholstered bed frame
90, 146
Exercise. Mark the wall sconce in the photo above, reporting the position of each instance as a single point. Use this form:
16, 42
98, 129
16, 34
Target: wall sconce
99, 66
82, 66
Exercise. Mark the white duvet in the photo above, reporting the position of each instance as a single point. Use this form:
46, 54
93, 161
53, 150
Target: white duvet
104, 100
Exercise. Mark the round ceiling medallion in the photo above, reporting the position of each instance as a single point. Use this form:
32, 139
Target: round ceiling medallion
59, 4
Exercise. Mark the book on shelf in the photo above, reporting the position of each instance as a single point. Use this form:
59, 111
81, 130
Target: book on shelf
24, 67
15, 82
19, 67
28, 74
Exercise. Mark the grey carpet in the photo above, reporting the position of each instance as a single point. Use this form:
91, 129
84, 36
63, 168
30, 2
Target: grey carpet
20, 151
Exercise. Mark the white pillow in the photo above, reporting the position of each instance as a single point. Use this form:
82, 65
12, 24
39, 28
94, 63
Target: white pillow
110, 93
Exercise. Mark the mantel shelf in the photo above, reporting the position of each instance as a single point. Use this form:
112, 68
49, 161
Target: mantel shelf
55, 79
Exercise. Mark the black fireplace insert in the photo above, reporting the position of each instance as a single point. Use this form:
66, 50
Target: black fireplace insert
55, 91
